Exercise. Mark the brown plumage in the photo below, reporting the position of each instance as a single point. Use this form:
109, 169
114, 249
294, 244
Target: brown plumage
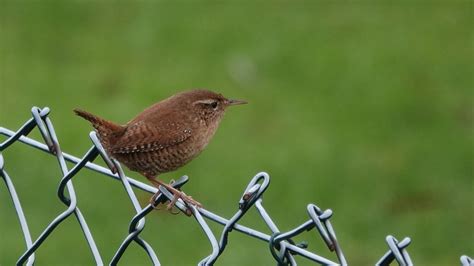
165, 136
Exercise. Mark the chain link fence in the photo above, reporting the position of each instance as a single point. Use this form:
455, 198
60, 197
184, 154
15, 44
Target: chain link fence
281, 246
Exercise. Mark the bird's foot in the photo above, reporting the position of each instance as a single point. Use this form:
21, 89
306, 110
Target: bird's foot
177, 194
169, 207
187, 199
153, 199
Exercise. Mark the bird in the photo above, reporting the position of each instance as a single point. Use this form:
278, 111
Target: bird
165, 136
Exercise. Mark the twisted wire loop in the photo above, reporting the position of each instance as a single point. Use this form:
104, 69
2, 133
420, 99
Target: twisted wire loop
397, 252
282, 247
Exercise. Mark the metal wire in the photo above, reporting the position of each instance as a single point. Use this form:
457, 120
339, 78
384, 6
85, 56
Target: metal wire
282, 247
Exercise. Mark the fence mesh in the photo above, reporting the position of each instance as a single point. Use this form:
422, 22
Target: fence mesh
281, 246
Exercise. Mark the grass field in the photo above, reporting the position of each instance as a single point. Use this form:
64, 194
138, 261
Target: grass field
364, 107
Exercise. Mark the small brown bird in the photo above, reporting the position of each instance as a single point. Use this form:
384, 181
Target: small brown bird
165, 136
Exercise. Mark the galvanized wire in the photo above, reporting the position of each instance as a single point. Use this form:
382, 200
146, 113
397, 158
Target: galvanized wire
282, 247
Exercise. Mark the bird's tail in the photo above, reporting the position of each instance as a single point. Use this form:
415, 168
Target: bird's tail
106, 130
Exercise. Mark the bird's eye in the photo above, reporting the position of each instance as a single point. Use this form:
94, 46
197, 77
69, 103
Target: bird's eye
214, 105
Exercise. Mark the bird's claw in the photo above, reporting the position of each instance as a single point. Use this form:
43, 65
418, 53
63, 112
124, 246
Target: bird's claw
188, 200
152, 202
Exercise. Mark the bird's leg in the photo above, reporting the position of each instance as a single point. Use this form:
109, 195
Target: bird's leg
176, 193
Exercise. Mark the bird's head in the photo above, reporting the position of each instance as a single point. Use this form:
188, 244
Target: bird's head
209, 105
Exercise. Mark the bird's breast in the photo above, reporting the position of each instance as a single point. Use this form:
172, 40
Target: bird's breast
204, 135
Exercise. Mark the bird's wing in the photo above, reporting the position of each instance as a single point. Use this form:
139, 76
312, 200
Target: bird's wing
146, 137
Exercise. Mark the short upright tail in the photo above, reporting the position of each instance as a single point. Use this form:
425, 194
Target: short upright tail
106, 130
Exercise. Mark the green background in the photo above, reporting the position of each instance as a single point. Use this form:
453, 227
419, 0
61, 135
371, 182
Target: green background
364, 107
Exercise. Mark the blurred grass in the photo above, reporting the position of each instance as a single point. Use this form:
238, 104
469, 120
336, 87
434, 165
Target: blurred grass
362, 107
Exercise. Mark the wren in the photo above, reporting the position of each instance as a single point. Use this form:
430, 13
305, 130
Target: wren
165, 136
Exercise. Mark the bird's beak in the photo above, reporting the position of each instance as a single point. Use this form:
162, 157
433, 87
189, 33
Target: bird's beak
236, 102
